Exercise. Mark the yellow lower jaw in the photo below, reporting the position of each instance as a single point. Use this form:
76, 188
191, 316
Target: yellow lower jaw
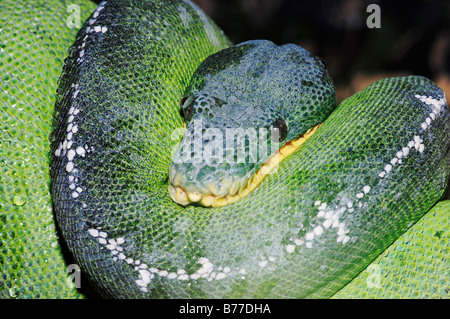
180, 196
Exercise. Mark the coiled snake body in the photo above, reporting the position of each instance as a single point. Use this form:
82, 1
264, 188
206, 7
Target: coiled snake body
377, 164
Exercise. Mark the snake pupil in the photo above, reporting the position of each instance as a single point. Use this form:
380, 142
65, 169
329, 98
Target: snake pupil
278, 130
186, 112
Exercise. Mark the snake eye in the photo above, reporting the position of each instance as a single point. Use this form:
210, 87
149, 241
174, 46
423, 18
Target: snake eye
187, 107
278, 130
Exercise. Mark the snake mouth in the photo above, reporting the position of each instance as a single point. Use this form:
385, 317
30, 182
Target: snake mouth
236, 191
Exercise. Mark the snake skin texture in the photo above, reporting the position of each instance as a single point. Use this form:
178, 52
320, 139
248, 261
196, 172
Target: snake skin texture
354, 212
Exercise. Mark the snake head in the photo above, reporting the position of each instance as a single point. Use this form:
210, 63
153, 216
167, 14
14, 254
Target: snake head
242, 106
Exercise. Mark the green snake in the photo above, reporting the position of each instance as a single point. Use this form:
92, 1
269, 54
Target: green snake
92, 164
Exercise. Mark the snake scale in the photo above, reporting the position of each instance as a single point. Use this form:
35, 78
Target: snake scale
85, 164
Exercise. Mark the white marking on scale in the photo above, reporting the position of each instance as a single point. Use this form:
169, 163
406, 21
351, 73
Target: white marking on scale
388, 168
64, 149
405, 151
417, 141
81, 151
309, 236
69, 167
93, 232
290, 248
145, 274
327, 223
318, 230
70, 155
331, 217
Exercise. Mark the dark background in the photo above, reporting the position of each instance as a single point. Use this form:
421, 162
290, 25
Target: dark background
414, 37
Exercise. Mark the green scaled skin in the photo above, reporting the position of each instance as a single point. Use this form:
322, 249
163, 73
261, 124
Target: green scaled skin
305, 232
34, 39
118, 102
415, 266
